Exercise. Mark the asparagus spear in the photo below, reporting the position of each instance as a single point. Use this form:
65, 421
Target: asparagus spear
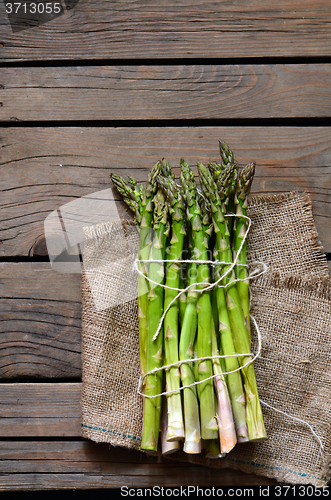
171, 339
153, 387
229, 169
192, 444
227, 434
166, 170
166, 446
227, 430
245, 179
145, 246
200, 234
254, 417
212, 450
239, 322
223, 253
132, 197
215, 169
226, 154
182, 300
140, 203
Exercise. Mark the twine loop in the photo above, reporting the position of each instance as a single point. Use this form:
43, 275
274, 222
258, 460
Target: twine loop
205, 287
204, 358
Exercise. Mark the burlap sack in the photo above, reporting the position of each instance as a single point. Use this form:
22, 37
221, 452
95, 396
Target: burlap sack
283, 235
111, 409
291, 304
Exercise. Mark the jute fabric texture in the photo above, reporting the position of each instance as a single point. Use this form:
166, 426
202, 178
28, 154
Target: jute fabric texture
291, 304
111, 408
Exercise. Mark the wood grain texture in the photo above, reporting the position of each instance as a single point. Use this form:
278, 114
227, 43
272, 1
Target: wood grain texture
118, 29
40, 322
167, 92
83, 464
44, 410
40, 409
42, 169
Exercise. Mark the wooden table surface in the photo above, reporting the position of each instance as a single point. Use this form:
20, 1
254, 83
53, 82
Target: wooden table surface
115, 85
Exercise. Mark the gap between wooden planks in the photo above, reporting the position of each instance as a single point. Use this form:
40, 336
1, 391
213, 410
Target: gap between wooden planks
42, 169
40, 327
168, 92
154, 29
47, 409
84, 464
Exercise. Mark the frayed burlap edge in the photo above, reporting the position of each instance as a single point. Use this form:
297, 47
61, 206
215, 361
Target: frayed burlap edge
316, 288
292, 281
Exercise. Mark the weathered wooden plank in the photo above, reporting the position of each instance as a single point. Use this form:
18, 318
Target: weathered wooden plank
84, 464
40, 322
44, 168
167, 92
40, 409
30, 410
88, 457
44, 481
146, 29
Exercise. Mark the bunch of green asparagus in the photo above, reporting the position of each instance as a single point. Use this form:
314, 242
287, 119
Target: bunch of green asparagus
198, 383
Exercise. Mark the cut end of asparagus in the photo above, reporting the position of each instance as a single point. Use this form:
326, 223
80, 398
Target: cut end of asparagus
175, 432
254, 417
227, 431
228, 443
192, 445
170, 447
150, 444
241, 439
166, 446
259, 433
213, 449
211, 432
258, 439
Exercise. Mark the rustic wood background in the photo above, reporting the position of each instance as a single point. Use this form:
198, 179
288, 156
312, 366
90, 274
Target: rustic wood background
113, 85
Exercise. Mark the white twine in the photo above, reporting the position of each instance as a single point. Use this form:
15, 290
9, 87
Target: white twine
203, 285
193, 360
204, 288
298, 420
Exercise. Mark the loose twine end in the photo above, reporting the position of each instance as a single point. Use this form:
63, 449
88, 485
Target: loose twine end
254, 274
